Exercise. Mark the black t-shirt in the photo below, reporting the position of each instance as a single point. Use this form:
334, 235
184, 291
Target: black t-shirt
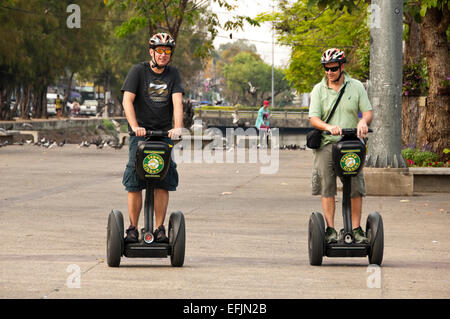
153, 102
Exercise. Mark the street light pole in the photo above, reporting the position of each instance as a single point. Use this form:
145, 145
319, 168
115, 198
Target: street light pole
385, 85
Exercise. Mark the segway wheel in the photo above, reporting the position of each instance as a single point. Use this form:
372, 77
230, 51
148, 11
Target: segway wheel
375, 234
177, 238
316, 239
114, 238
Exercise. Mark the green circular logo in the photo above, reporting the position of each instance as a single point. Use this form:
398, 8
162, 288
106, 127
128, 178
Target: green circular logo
153, 163
350, 162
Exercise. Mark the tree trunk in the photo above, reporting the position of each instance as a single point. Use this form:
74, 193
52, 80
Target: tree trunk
412, 112
410, 104
5, 113
413, 45
178, 20
67, 95
25, 104
44, 102
435, 45
40, 102
37, 104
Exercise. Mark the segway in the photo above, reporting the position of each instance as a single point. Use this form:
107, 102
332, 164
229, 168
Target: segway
348, 160
153, 158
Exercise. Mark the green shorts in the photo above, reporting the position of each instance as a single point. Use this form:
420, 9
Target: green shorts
133, 183
324, 177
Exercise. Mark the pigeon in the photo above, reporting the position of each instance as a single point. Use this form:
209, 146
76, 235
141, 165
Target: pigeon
61, 144
117, 146
84, 144
100, 143
252, 89
52, 144
47, 144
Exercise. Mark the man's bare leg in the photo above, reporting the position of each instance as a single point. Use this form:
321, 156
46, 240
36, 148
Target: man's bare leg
134, 207
356, 211
328, 207
161, 203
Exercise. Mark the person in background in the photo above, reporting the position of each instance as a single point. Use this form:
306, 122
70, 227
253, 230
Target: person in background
262, 124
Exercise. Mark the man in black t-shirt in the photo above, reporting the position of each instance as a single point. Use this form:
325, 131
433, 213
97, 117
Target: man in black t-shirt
152, 100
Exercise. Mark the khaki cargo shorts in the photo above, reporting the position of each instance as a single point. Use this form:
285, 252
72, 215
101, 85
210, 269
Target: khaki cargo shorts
324, 178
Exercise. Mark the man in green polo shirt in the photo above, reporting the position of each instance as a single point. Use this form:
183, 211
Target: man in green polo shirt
353, 101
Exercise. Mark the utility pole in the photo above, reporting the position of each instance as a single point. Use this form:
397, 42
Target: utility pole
385, 85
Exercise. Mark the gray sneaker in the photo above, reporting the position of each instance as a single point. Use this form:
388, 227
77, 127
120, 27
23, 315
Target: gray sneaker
330, 235
359, 236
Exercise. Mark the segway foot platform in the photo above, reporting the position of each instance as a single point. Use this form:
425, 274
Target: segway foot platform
142, 249
346, 250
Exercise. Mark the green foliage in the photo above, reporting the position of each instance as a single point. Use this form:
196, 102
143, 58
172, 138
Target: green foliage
37, 47
170, 16
421, 157
248, 67
408, 153
108, 125
416, 157
426, 4
310, 27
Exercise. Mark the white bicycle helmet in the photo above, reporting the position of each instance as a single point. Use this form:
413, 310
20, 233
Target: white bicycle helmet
333, 55
162, 39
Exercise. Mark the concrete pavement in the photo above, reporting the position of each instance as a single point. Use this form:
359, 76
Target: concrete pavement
246, 233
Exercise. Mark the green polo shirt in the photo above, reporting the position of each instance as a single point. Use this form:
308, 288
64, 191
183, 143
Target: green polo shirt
353, 101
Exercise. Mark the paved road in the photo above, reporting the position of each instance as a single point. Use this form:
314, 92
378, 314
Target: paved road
246, 233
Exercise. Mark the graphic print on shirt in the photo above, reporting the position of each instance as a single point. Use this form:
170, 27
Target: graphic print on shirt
158, 91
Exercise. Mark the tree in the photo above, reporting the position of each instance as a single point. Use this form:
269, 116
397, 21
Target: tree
246, 67
38, 49
310, 29
170, 16
433, 18
434, 27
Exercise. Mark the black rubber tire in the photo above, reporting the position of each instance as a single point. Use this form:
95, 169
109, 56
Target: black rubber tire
177, 238
114, 239
316, 239
375, 234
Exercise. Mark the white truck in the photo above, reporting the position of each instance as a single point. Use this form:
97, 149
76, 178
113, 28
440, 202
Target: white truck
90, 104
89, 107
51, 103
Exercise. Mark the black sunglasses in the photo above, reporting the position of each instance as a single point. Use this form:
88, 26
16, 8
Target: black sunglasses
333, 69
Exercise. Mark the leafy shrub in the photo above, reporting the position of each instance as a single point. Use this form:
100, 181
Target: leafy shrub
416, 157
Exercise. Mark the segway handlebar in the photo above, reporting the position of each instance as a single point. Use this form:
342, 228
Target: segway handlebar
348, 131
149, 133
